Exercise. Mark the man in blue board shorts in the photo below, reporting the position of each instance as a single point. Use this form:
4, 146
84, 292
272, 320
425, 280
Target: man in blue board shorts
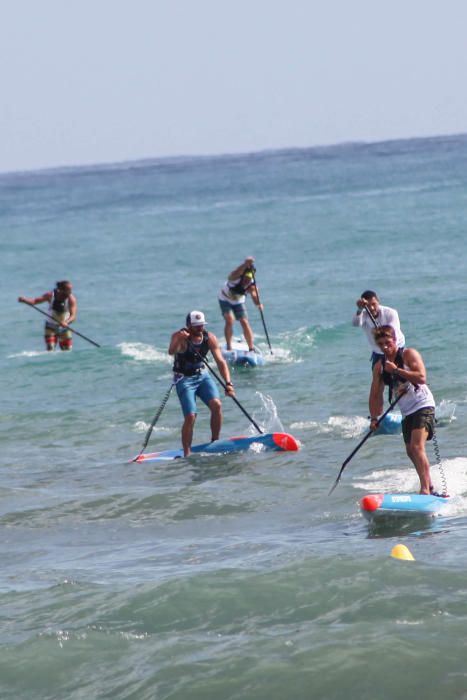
232, 299
190, 346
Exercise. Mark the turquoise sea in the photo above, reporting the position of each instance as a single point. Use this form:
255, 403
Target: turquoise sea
234, 577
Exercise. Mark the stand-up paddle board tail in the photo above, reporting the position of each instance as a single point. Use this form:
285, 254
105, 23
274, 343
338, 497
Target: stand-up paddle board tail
241, 356
277, 442
379, 505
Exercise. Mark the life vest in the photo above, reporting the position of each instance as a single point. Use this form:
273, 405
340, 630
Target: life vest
390, 379
58, 310
236, 287
188, 363
393, 381
59, 306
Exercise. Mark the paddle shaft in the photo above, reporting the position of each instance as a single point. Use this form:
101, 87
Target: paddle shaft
155, 419
362, 442
203, 359
375, 322
69, 328
262, 315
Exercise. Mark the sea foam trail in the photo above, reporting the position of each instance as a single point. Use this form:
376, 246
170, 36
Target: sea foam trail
145, 353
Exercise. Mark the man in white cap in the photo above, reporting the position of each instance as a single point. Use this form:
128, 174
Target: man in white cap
189, 345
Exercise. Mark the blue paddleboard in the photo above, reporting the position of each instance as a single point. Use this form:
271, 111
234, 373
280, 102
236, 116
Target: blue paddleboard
240, 355
278, 442
379, 505
390, 425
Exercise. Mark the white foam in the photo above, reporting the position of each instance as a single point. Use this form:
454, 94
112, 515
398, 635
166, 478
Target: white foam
281, 356
348, 426
305, 425
141, 427
301, 335
345, 426
388, 480
30, 353
278, 356
257, 447
143, 353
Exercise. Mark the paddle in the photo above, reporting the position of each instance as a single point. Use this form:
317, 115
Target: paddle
203, 359
375, 322
261, 310
61, 324
391, 406
154, 420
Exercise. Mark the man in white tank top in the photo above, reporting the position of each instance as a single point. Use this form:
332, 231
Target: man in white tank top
405, 370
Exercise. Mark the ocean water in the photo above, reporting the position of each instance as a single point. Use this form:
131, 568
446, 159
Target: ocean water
232, 577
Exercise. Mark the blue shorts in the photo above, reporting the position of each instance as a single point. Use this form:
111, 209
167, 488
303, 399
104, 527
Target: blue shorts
188, 388
238, 310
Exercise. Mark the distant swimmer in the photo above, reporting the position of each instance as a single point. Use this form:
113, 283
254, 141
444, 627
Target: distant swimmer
371, 314
190, 346
232, 297
63, 308
404, 371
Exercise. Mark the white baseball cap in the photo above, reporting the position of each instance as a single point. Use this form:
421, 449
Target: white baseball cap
196, 318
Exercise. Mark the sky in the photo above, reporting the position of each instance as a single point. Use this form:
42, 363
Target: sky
97, 81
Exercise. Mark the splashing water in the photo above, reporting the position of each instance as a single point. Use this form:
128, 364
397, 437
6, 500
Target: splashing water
445, 412
266, 416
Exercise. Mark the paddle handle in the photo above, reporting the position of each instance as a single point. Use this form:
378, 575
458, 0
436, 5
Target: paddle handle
69, 328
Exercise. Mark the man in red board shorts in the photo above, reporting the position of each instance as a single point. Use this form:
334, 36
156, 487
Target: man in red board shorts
62, 309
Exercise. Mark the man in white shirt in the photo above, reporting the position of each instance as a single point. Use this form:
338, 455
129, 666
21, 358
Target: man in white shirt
370, 315
232, 296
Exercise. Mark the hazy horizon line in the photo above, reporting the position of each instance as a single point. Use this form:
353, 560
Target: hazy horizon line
146, 160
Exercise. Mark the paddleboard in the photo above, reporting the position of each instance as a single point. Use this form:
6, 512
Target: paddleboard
390, 425
240, 355
400, 505
278, 442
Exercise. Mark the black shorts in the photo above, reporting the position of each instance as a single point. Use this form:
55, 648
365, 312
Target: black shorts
423, 418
